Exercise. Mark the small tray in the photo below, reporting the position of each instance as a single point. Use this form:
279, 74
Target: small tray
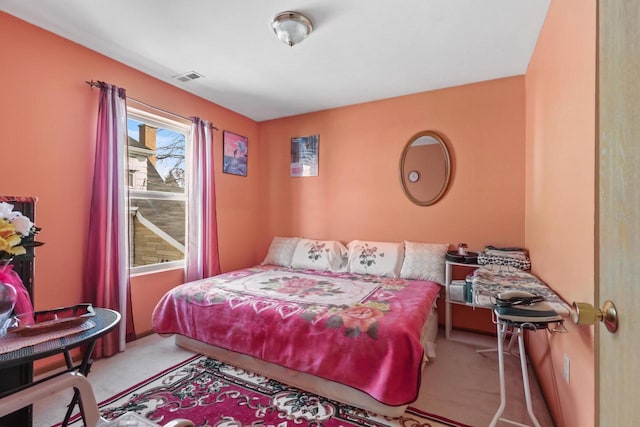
469, 258
53, 320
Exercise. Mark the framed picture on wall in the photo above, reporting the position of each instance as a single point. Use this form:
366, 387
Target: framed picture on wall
235, 152
304, 155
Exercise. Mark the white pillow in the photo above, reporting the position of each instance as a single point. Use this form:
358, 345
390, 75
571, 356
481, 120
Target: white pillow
319, 255
281, 251
424, 261
377, 258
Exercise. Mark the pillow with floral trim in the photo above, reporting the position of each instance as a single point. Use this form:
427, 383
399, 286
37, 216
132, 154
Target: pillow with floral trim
281, 251
376, 258
424, 261
319, 255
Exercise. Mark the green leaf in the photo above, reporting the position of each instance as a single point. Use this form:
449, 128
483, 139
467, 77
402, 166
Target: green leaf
199, 296
334, 322
217, 300
373, 330
352, 332
308, 315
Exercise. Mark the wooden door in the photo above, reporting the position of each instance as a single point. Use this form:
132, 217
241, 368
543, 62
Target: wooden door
618, 210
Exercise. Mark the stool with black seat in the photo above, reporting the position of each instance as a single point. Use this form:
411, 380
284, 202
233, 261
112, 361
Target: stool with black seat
514, 312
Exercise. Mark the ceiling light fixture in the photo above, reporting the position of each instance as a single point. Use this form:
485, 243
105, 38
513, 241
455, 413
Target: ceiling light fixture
291, 27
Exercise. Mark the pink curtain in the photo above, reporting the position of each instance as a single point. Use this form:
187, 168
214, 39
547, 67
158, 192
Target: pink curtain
107, 267
201, 259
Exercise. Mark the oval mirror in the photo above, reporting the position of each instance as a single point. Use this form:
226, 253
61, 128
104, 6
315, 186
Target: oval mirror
425, 168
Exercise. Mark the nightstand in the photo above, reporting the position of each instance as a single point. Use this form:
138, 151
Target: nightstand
449, 333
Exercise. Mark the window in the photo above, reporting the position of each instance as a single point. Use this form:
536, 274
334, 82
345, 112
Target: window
157, 200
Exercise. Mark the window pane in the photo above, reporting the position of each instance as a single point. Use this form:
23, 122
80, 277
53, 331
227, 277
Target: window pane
156, 157
156, 167
157, 231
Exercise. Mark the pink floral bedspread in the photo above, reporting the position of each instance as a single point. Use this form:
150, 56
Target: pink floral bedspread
359, 330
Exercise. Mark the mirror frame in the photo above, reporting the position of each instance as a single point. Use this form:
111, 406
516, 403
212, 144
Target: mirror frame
447, 159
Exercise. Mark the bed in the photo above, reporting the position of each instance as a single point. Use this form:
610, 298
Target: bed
335, 330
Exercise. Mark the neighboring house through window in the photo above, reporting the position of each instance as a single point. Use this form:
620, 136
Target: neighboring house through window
157, 199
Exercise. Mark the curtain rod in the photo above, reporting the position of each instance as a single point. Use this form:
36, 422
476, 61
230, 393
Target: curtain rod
97, 84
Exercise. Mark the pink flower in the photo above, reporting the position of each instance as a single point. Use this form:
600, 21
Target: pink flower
393, 282
360, 317
237, 274
296, 283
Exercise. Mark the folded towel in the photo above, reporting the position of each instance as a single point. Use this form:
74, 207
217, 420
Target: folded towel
507, 252
516, 257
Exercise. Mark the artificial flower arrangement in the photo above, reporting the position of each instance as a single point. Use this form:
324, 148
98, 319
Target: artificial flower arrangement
17, 233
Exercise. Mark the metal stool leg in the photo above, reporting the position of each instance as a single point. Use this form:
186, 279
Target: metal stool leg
525, 379
512, 340
502, 328
517, 330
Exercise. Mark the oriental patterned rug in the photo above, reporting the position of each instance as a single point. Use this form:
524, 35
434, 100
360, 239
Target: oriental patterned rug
212, 393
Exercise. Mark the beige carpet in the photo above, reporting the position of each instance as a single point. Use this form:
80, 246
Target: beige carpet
459, 384
464, 385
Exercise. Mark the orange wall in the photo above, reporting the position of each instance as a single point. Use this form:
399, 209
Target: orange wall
358, 194
48, 117
560, 196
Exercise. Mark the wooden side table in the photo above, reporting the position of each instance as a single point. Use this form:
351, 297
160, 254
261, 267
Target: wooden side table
105, 321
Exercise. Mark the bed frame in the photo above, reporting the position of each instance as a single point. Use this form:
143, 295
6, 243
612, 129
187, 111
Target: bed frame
330, 389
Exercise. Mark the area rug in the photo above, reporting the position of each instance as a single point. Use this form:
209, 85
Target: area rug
212, 393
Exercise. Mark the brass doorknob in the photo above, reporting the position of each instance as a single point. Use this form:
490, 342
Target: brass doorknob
585, 314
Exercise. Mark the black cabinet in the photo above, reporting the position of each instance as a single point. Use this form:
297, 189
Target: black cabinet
23, 374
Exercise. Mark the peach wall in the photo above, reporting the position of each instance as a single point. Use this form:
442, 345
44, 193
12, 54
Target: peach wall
358, 194
48, 117
560, 196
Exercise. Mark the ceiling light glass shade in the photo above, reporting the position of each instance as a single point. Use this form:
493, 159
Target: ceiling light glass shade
291, 27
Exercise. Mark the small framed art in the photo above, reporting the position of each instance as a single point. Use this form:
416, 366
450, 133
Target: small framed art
235, 153
304, 155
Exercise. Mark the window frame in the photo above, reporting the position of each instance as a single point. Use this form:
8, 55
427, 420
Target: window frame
178, 127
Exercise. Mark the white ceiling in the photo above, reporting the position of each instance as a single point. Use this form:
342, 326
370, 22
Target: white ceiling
360, 50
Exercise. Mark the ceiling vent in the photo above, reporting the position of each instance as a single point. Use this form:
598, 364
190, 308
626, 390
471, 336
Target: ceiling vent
188, 76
